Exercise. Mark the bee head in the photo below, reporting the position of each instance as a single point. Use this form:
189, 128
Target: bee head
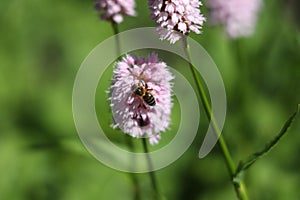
138, 90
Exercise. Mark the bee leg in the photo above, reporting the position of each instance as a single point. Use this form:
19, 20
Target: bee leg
147, 88
142, 105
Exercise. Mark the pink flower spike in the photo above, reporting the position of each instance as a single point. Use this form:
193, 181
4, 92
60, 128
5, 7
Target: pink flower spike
237, 16
114, 10
141, 97
176, 18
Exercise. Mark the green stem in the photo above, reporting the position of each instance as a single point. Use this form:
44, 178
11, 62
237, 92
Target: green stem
136, 185
238, 185
116, 32
244, 86
151, 171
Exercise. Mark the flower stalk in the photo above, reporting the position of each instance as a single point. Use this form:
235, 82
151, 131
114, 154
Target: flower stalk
151, 172
238, 185
115, 28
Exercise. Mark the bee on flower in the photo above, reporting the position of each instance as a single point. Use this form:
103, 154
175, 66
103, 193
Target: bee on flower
141, 97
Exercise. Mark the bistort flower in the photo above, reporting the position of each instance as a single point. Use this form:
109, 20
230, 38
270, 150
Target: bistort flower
237, 16
141, 97
176, 18
114, 10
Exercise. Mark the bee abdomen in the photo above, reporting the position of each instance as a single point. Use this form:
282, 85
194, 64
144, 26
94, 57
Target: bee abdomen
149, 99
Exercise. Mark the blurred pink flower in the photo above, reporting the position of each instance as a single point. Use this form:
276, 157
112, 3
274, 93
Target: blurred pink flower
113, 10
176, 18
237, 16
141, 97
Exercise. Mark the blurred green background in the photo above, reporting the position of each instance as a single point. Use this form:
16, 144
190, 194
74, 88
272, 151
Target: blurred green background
42, 44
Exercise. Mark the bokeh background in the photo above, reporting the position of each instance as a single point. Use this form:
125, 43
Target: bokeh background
42, 44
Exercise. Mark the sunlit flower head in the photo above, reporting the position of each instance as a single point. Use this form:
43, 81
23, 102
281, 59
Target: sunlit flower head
237, 16
141, 97
114, 10
176, 18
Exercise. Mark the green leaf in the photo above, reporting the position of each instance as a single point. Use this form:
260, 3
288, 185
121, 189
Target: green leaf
244, 165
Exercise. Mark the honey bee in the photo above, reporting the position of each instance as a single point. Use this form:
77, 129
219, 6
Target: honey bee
144, 92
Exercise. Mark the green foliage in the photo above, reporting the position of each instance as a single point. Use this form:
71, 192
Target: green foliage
41, 156
244, 165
